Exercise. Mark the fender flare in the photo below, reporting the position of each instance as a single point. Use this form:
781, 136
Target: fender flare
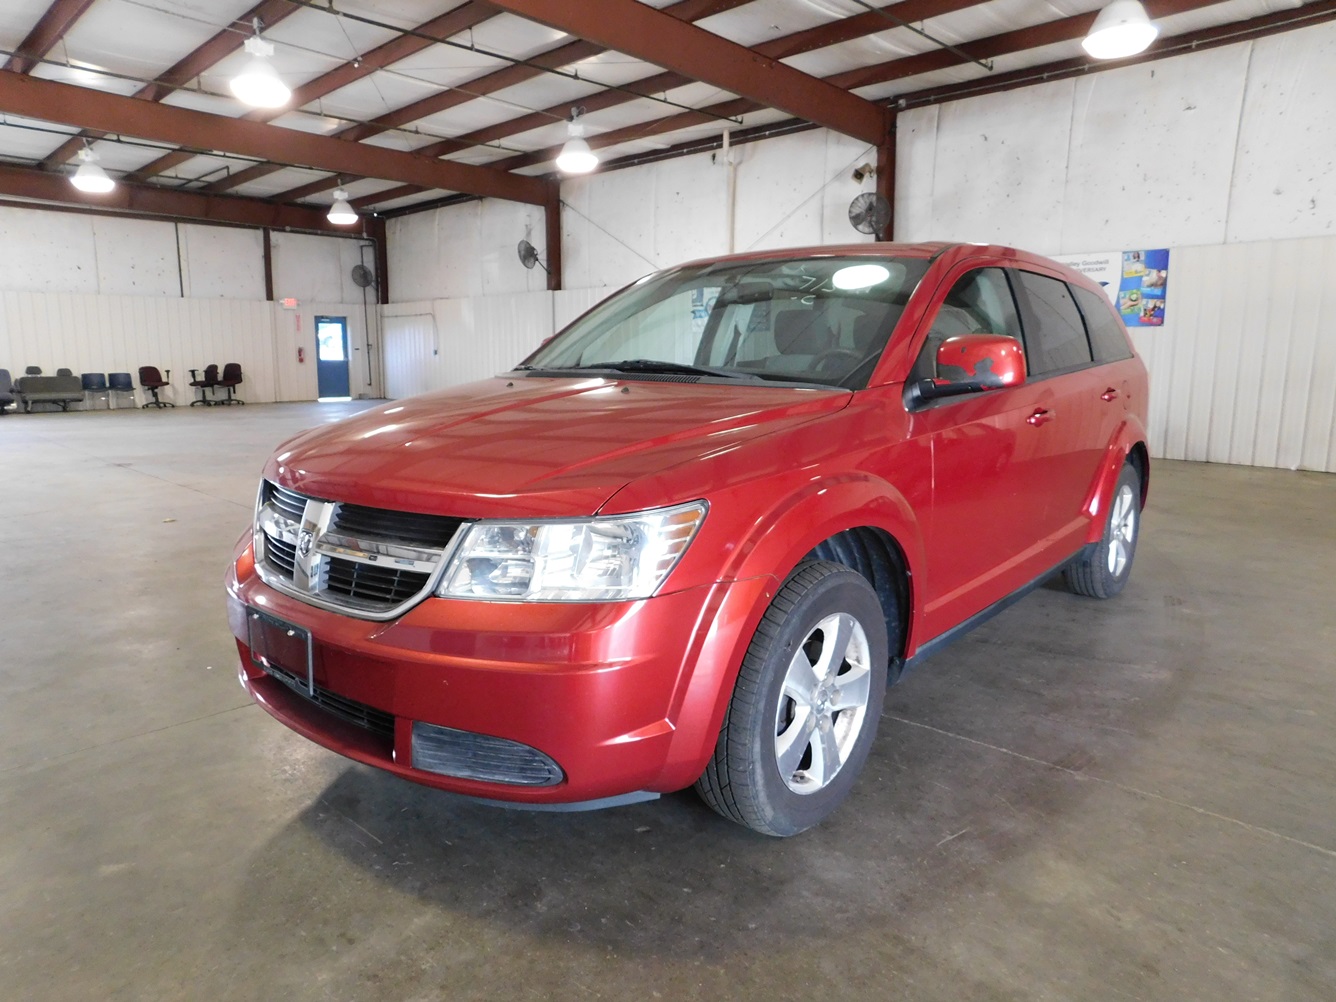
1129, 436
775, 544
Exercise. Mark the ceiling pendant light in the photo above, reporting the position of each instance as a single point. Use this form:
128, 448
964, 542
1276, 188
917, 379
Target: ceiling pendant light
341, 212
90, 177
258, 84
576, 157
1121, 29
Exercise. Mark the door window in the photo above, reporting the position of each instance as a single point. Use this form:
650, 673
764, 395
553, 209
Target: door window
1055, 334
979, 303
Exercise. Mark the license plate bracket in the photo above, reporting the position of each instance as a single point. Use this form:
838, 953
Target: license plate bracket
281, 649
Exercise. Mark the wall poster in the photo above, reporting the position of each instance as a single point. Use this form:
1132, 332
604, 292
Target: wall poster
1135, 281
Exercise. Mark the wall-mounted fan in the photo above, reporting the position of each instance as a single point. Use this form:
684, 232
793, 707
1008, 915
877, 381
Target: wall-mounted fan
529, 255
869, 213
363, 276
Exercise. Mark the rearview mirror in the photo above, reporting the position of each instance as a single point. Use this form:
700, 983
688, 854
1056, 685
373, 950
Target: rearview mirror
971, 363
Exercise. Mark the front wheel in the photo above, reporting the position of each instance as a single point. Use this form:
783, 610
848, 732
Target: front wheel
1101, 569
805, 708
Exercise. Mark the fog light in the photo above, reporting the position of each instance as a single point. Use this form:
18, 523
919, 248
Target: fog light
466, 755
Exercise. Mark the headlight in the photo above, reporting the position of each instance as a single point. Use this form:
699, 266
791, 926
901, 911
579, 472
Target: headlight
617, 558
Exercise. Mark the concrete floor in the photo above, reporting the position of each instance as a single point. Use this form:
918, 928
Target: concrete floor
1122, 800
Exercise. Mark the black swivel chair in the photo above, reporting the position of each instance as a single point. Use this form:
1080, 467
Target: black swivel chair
206, 383
231, 379
151, 379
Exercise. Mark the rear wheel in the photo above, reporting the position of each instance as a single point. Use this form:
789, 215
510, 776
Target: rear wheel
805, 708
1101, 569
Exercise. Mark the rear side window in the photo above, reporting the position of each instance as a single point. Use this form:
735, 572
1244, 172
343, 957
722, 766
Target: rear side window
1055, 334
1108, 336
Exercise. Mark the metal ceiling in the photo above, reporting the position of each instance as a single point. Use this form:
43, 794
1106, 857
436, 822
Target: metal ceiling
407, 102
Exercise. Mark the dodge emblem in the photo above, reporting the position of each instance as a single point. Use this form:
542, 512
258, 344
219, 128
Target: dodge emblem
304, 541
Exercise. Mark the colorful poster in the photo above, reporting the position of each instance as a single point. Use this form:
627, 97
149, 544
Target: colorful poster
1141, 292
1135, 281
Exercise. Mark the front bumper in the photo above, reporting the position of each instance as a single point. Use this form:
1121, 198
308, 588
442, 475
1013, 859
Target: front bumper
624, 697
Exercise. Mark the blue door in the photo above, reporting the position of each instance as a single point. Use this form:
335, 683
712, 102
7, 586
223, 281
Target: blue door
331, 357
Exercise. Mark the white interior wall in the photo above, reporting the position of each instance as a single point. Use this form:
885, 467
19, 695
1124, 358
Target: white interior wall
1244, 369
1226, 157
108, 294
432, 344
1221, 146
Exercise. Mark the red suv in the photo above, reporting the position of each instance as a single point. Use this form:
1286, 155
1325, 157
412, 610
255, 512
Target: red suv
693, 537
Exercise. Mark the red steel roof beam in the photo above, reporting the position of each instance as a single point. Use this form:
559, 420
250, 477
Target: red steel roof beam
49, 29
90, 109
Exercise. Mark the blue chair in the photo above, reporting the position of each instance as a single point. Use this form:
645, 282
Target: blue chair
120, 382
94, 385
6, 390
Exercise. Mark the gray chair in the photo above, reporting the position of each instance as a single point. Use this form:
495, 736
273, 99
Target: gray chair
64, 372
6, 390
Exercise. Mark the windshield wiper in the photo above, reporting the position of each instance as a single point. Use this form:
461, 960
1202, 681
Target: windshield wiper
652, 366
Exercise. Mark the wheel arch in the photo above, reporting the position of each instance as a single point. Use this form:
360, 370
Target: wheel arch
1126, 445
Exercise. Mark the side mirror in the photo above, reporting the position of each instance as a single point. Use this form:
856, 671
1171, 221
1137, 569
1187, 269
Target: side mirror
971, 363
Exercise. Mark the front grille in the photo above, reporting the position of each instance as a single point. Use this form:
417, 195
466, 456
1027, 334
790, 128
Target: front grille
289, 502
370, 583
432, 531
350, 710
379, 561
281, 555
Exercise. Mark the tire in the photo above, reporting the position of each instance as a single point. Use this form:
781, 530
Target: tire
800, 722
1101, 569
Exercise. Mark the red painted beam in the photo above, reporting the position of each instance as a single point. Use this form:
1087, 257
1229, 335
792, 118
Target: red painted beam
806, 40
28, 182
1261, 26
460, 19
645, 33
1063, 29
49, 30
212, 52
80, 106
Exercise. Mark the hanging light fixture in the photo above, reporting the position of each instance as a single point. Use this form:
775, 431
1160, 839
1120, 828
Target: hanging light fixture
1121, 29
576, 157
258, 84
341, 212
90, 177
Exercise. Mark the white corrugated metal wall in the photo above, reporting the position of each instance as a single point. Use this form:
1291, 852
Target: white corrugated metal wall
1244, 370
432, 344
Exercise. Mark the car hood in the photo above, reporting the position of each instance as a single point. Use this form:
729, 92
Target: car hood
533, 446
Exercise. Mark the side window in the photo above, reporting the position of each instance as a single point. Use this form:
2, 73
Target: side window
979, 303
1055, 335
1108, 336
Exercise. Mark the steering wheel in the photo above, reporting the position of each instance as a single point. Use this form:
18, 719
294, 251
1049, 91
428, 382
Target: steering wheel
820, 362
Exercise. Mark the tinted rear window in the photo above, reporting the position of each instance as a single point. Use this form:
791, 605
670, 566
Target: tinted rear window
1108, 336
1055, 335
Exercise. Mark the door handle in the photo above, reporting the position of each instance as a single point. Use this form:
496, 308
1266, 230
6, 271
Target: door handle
1109, 395
1039, 417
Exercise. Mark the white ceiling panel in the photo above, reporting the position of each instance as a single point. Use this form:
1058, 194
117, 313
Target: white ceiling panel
404, 13
17, 18
25, 139
144, 38
513, 36
753, 24
444, 66
278, 182
86, 75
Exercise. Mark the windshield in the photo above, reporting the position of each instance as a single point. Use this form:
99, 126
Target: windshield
822, 320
